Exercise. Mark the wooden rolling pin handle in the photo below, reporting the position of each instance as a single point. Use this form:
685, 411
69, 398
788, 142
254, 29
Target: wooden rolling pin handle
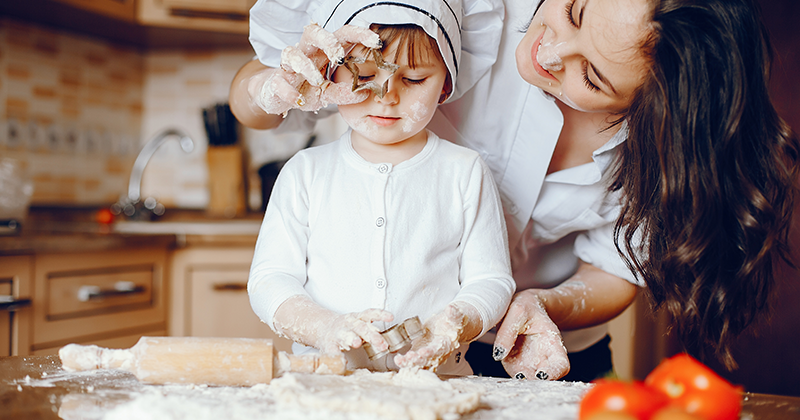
76, 357
309, 363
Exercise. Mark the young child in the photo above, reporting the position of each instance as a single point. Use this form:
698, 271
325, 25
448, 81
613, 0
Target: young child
390, 221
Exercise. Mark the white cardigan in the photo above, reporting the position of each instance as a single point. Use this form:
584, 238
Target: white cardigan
408, 238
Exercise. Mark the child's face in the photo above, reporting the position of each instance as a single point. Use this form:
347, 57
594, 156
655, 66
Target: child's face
409, 103
586, 52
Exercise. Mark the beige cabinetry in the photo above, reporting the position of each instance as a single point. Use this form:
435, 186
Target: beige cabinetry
209, 295
119, 9
15, 315
230, 16
210, 15
108, 298
148, 24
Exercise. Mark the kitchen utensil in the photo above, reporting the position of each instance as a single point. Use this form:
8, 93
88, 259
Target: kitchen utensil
199, 360
221, 126
397, 337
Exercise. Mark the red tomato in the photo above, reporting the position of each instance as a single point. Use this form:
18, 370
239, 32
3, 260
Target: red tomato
104, 216
634, 399
673, 413
696, 389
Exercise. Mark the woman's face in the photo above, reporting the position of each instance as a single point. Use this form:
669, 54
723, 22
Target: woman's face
586, 52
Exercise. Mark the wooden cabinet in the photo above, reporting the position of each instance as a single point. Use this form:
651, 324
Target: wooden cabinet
229, 16
119, 9
209, 295
209, 15
149, 24
108, 298
15, 315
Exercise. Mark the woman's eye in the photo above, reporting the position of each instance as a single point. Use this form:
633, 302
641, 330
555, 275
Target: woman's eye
568, 10
586, 81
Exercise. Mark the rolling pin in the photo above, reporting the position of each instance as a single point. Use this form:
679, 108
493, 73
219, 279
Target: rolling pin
199, 360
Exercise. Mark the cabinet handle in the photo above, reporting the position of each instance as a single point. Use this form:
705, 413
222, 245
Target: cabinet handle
11, 304
232, 286
121, 288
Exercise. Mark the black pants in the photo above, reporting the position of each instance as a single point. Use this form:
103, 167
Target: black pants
585, 365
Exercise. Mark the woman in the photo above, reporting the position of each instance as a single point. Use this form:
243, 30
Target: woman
660, 162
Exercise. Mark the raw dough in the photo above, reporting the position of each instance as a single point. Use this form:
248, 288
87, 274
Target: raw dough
412, 394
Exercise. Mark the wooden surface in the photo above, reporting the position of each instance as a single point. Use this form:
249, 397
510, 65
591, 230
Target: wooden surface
37, 387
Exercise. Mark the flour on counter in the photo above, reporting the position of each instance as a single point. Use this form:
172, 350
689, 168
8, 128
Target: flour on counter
411, 394
117, 395
520, 399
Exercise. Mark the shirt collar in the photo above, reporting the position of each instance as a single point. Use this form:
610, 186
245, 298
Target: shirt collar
593, 172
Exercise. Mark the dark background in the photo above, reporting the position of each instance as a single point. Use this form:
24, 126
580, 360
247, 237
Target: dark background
770, 361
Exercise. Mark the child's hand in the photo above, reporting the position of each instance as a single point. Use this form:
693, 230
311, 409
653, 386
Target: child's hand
444, 332
299, 82
528, 342
349, 331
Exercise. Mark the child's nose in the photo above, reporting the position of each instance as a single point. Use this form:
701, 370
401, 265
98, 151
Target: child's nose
390, 96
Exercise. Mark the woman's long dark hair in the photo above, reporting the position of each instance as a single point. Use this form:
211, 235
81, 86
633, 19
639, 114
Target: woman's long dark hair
709, 171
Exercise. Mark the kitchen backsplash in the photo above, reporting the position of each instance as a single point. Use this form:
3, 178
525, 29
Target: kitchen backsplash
71, 109
77, 110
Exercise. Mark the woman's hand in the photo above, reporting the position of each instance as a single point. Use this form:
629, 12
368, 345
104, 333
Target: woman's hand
529, 338
302, 320
528, 342
443, 334
300, 82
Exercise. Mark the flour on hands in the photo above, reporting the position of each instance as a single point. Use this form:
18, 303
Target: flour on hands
529, 343
299, 82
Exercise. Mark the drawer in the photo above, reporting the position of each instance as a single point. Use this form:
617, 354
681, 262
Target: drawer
15, 305
92, 297
86, 293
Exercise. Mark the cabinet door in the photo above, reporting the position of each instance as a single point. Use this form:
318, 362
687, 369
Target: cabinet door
15, 320
119, 9
209, 295
220, 306
92, 297
230, 16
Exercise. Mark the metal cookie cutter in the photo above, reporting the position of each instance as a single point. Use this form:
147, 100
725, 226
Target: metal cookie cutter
397, 337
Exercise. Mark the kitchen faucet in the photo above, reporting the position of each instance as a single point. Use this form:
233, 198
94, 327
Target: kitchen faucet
132, 206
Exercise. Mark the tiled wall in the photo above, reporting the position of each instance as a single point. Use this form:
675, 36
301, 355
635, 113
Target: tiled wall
71, 109
178, 85
77, 110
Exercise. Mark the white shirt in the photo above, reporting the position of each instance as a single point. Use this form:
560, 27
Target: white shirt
408, 238
515, 127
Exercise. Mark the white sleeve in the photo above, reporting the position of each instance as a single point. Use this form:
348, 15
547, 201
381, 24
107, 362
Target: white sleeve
596, 247
278, 271
274, 25
481, 30
485, 275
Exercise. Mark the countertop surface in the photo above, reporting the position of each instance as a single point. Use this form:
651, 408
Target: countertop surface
36, 387
48, 234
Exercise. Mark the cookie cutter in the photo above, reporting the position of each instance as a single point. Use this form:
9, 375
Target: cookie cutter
397, 337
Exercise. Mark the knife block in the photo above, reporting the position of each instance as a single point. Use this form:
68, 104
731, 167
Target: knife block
226, 189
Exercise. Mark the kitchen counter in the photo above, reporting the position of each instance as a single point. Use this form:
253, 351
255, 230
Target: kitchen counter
55, 236
37, 388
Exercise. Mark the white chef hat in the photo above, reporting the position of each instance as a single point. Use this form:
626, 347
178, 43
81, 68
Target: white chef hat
467, 31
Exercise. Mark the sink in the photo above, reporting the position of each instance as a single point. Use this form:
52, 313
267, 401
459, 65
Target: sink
227, 227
